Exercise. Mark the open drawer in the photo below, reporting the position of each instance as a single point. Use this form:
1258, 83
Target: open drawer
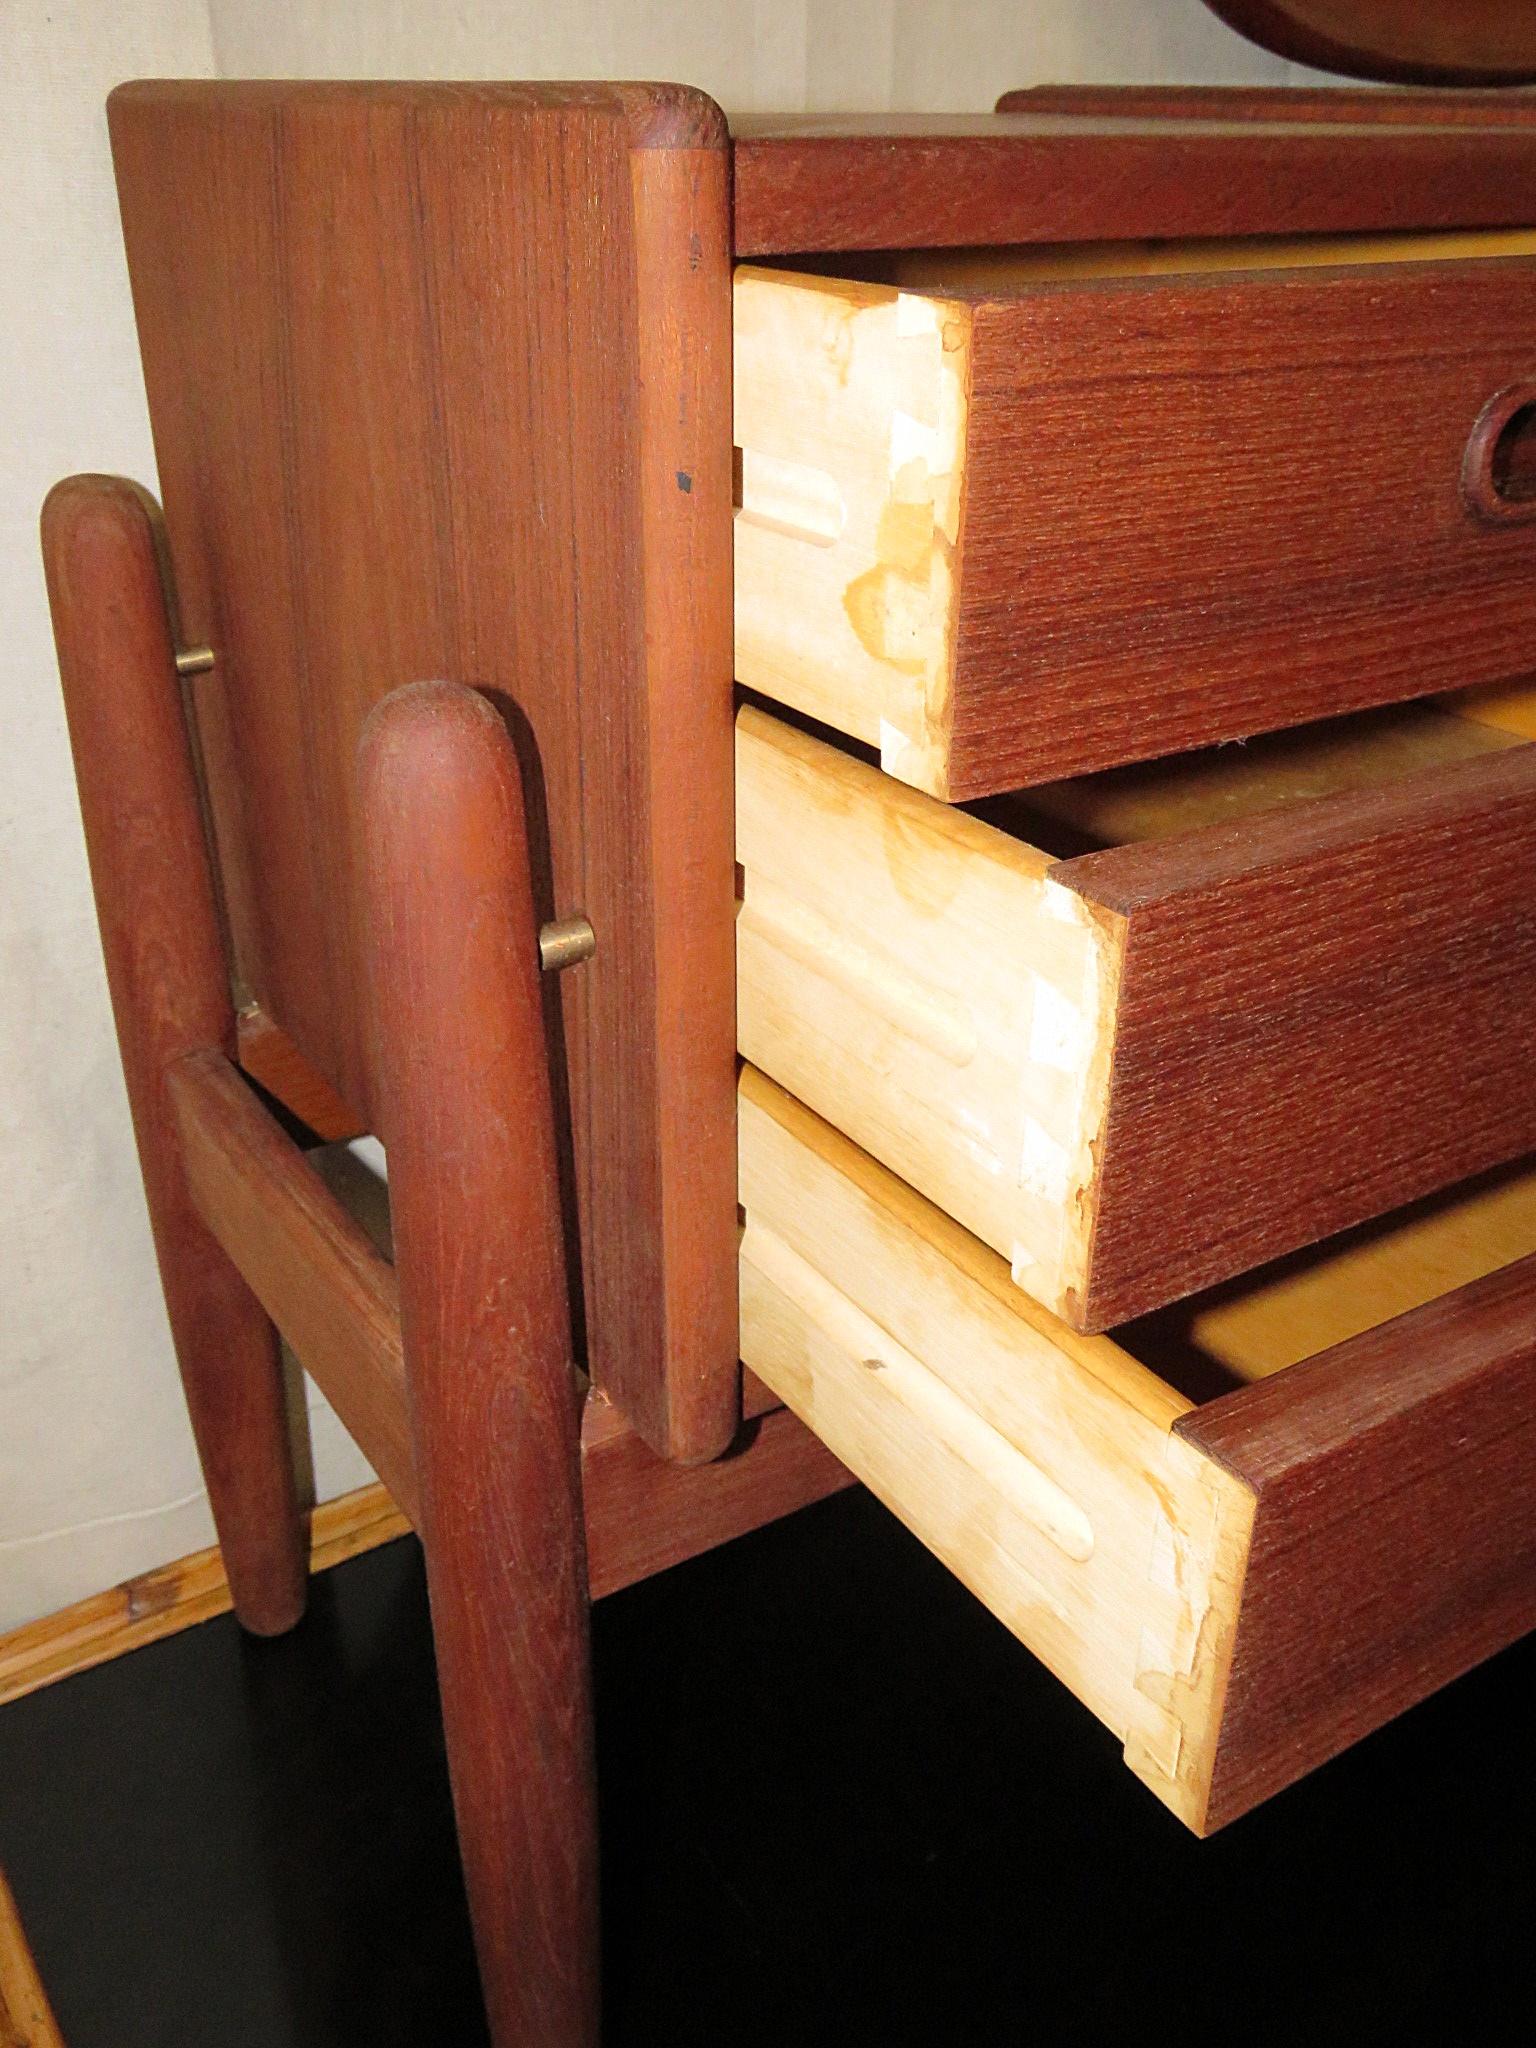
1017, 515
1298, 989
1238, 1589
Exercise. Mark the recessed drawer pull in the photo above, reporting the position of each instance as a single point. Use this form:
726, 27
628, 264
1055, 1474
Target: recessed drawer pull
1499, 471
789, 498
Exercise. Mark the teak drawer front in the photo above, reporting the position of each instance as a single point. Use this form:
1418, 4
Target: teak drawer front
1237, 1590
1137, 1072
1009, 534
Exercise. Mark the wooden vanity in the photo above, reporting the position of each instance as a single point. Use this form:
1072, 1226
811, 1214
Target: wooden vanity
1092, 1103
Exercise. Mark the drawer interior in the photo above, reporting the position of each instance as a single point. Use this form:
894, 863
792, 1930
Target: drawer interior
1235, 1607
1129, 1029
1270, 1319
1046, 263
1222, 785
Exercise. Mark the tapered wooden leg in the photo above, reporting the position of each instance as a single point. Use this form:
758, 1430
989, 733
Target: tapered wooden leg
26, 2017
170, 996
467, 1123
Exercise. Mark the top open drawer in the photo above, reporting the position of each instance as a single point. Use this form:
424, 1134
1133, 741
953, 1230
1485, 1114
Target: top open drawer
1009, 522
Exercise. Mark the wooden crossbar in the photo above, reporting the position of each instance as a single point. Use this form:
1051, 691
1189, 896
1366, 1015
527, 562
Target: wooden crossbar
311, 1266
333, 1295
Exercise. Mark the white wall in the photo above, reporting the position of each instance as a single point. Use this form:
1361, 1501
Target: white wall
97, 1475
97, 1478
753, 56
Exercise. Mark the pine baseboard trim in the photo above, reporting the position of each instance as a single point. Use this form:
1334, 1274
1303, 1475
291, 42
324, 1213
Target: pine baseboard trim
175, 1596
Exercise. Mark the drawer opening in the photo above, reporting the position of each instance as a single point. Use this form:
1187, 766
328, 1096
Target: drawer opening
1237, 1586
1224, 784
1020, 265
1142, 1031
1263, 1322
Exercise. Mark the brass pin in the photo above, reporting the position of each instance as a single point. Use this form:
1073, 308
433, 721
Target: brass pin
564, 942
194, 661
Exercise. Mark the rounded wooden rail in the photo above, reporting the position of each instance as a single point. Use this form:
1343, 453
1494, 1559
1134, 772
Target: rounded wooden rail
170, 997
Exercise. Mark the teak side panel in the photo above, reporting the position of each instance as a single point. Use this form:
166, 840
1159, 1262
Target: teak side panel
1394, 1539
393, 339
1244, 510
1324, 1013
826, 182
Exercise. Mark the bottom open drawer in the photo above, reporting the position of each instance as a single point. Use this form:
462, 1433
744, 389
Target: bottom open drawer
1239, 1561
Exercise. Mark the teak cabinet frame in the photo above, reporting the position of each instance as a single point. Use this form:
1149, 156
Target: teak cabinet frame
440, 383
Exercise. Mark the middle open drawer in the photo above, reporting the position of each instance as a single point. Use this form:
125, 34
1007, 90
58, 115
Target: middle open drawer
1295, 988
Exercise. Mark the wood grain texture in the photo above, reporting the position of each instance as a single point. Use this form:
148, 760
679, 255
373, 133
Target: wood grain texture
1394, 1540
26, 2016
1455, 42
914, 975
434, 373
170, 997
891, 181
272, 1060
681, 1197
1298, 993
465, 1111
645, 1514
1325, 1011
1355, 105
1038, 1465
1246, 507
175, 1596
312, 1268
1280, 534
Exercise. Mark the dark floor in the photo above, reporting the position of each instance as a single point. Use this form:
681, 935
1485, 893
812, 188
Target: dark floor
841, 1806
